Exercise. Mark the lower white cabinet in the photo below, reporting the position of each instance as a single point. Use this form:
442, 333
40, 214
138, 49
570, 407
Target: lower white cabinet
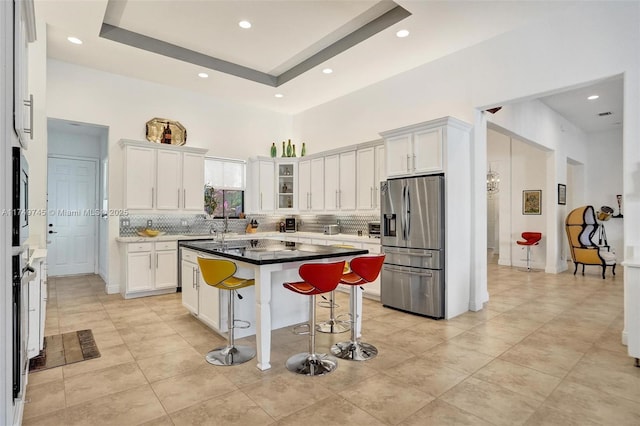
208, 303
37, 307
150, 268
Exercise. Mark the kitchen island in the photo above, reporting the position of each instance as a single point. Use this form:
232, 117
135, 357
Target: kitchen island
270, 263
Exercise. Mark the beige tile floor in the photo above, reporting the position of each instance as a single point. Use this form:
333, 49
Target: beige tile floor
545, 350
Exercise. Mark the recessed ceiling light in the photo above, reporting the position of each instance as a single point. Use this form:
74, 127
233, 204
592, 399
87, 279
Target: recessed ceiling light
592, 97
244, 24
279, 95
74, 40
203, 75
402, 33
327, 70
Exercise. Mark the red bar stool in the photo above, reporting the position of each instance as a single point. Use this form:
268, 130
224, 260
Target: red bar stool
530, 239
318, 278
219, 273
364, 270
333, 325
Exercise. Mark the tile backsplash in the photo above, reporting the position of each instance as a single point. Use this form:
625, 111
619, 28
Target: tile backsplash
200, 224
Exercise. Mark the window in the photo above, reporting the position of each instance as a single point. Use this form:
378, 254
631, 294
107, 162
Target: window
224, 187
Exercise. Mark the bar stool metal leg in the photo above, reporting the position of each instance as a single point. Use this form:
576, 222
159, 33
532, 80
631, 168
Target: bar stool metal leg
332, 325
231, 354
312, 363
354, 350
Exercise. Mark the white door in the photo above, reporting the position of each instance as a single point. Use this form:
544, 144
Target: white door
427, 151
139, 272
347, 190
316, 198
304, 186
193, 182
331, 182
398, 155
267, 201
139, 177
166, 269
366, 171
380, 174
188, 282
72, 216
168, 180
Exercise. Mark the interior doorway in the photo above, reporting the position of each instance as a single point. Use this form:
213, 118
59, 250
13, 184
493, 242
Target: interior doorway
77, 198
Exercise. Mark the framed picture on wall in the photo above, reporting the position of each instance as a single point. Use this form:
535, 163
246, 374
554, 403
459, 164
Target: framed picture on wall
532, 201
562, 194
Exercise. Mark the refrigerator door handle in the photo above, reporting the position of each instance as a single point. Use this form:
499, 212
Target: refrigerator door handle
404, 271
408, 213
402, 215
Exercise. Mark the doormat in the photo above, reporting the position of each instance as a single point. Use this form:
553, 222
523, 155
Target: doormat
66, 348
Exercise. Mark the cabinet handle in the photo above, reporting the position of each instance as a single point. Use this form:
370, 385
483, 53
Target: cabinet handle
197, 277
408, 166
193, 278
337, 199
309, 200
261, 201
184, 198
372, 192
156, 260
178, 197
414, 162
29, 103
152, 197
149, 260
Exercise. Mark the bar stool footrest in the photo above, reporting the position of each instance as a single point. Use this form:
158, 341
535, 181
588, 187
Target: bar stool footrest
299, 329
230, 355
354, 351
333, 326
243, 323
311, 364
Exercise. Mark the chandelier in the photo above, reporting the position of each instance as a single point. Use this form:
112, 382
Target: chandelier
493, 182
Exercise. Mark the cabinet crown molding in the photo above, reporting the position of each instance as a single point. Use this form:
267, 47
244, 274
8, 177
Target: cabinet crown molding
431, 124
153, 145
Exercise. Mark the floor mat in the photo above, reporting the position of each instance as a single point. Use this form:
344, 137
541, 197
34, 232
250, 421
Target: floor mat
67, 348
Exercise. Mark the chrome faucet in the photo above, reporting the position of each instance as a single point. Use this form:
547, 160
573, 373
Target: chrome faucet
226, 223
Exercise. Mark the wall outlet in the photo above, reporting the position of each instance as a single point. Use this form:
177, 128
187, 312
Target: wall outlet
125, 223
184, 222
149, 223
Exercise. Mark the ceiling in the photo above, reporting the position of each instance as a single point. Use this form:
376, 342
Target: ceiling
296, 39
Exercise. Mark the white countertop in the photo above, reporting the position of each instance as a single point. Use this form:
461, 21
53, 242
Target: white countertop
257, 235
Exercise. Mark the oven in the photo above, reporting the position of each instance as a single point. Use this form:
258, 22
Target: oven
21, 273
20, 198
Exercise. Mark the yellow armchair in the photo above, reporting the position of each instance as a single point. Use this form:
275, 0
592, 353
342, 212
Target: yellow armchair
581, 225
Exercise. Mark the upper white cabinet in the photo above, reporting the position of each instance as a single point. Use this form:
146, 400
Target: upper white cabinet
24, 33
311, 185
414, 150
163, 177
287, 185
340, 181
262, 195
371, 171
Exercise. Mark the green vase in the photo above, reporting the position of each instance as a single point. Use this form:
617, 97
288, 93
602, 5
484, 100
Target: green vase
294, 150
304, 150
274, 150
284, 151
289, 149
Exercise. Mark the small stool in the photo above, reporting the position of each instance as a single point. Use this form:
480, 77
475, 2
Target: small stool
530, 239
219, 273
318, 278
364, 270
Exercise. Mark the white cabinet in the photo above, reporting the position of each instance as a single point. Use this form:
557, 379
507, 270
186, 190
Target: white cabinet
37, 307
210, 304
340, 181
262, 192
414, 150
370, 169
311, 185
159, 177
287, 185
150, 268
24, 33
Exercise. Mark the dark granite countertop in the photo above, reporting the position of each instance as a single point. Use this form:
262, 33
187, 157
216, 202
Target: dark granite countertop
264, 252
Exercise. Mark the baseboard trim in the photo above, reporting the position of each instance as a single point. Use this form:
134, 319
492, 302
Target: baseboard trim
112, 289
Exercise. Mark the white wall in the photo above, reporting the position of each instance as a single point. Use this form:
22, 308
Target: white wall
124, 105
604, 182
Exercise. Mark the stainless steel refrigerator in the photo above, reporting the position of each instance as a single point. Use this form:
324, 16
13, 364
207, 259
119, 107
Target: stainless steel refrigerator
412, 220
